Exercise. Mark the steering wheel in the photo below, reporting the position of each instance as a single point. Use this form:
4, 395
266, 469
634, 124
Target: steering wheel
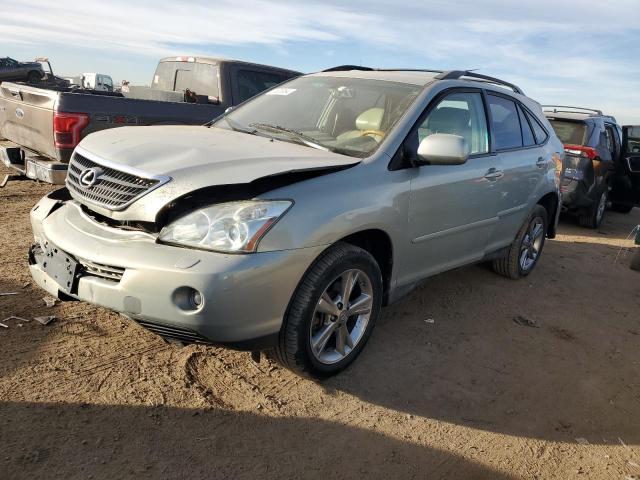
379, 133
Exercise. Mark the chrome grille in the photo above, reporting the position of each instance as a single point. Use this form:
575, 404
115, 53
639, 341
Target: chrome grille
114, 190
103, 271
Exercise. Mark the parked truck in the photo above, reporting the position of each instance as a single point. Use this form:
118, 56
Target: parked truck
41, 125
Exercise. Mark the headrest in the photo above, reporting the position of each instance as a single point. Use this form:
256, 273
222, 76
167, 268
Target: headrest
449, 120
370, 119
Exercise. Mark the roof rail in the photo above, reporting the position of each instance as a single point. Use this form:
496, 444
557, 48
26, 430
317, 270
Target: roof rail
580, 109
457, 74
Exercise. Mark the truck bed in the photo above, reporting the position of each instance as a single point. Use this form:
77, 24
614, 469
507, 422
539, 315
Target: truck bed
27, 114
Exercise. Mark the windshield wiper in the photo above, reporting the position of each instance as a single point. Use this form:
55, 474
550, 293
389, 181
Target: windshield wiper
293, 134
235, 126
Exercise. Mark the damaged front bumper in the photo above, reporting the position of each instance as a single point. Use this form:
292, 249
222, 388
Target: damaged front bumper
243, 298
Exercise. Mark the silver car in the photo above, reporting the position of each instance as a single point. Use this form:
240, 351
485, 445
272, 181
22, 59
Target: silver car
286, 224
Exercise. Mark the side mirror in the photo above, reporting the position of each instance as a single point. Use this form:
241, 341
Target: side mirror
443, 149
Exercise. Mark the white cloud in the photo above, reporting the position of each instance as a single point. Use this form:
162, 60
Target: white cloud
558, 49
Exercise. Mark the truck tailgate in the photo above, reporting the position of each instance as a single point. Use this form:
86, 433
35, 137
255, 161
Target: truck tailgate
26, 116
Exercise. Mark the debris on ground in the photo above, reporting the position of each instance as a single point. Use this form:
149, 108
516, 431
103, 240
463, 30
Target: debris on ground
26, 285
429, 320
5, 294
49, 301
582, 441
3, 325
45, 320
525, 322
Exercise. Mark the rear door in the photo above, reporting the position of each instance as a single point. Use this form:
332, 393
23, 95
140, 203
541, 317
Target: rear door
517, 140
453, 208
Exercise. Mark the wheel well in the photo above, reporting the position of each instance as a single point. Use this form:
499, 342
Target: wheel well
378, 244
550, 203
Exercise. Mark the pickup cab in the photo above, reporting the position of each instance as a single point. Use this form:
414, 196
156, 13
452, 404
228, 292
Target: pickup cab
40, 125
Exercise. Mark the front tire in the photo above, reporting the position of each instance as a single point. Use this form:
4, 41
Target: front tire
332, 313
525, 250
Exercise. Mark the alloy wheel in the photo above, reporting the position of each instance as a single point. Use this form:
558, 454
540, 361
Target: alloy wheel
531, 243
341, 316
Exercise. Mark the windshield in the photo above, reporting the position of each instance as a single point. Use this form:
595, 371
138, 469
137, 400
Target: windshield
345, 115
570, 133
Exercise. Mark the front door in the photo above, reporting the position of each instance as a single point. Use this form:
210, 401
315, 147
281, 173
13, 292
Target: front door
627, 183
453, 208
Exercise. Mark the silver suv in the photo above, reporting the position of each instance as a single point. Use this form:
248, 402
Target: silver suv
288, 222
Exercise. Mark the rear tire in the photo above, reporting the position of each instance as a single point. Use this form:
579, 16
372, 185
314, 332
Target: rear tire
34, 77
594, 216
621, 207
526, 248
300, 347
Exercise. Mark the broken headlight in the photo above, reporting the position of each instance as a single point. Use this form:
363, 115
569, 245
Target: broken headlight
234, 227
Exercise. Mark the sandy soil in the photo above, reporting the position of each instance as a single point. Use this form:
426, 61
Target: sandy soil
472, 395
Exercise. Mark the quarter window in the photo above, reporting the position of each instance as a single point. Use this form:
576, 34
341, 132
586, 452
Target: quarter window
505, 123
527, 134
459, 114
540, 133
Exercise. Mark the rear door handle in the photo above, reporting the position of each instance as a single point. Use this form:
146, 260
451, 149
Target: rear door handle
541, 162
493, 174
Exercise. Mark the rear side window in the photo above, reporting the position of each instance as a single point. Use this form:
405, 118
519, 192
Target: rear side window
201, 78
569, 132
538, 130
505, 123
250, 83
527, 134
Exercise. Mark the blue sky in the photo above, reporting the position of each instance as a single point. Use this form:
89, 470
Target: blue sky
559, 51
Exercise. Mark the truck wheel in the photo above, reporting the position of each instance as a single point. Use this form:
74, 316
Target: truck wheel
526, 248
34, 77
593, 217
635, 260
621, 207
332, 313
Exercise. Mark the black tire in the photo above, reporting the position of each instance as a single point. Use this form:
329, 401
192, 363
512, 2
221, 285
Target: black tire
34, 77
593, 217
294, 346
635, 259
510, 266
621, 207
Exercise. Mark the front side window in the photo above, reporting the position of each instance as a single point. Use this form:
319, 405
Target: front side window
345, 115
460, 114
251, 83
505, 123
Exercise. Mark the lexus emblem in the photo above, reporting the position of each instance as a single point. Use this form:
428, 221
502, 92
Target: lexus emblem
90, 176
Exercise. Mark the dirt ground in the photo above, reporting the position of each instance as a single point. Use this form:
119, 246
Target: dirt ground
472, 395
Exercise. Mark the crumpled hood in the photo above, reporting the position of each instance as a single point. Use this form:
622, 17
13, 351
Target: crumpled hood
196, 157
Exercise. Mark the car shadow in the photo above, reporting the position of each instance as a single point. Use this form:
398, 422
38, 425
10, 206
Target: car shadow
44, 440
550, 356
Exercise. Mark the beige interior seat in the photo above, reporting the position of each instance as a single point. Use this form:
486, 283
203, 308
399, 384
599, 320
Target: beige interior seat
368, 121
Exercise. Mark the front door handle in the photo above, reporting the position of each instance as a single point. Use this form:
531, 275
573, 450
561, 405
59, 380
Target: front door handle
541, 162
493, 174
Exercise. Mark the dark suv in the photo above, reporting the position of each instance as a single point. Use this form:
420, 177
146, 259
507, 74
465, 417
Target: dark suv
594, 162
